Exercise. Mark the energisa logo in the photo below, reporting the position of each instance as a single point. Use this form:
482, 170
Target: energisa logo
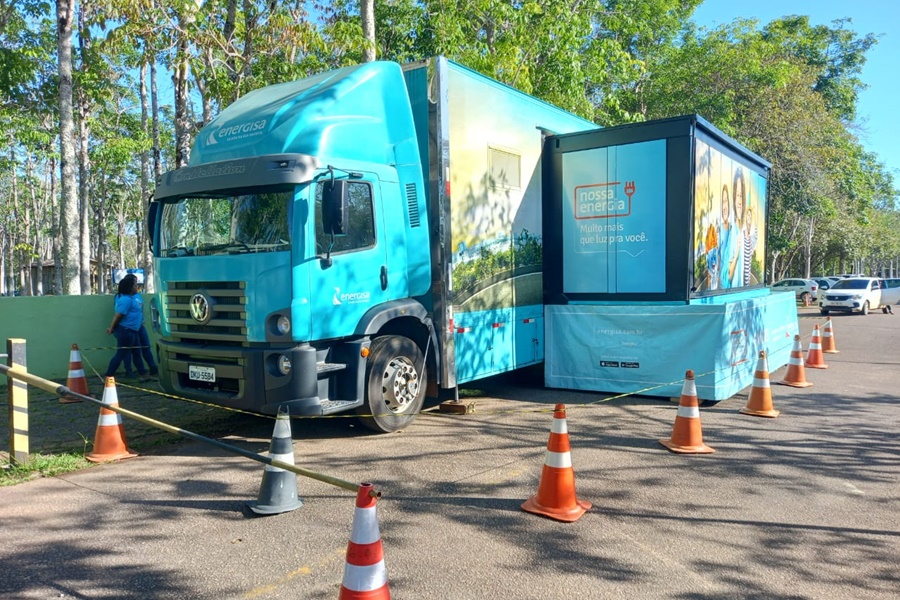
236, 132
349, 298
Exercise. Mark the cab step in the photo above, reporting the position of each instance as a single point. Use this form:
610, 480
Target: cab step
324, 367
329, 407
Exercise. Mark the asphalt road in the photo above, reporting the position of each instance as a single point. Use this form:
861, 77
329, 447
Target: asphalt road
803, 506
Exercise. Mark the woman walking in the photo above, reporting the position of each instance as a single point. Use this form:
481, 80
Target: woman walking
126, 325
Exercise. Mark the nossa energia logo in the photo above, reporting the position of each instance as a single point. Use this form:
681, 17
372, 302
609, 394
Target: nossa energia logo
603, 200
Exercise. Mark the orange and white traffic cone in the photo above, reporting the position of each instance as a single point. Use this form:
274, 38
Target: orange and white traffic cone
365, 576
796, 374
828, 343
687, 435
76, 381
759, 404
555, 497
109, 440
814, 357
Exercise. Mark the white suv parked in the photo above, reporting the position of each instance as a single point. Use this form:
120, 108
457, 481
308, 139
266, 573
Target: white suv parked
853, 294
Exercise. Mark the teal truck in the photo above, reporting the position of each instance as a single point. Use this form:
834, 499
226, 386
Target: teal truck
354, 240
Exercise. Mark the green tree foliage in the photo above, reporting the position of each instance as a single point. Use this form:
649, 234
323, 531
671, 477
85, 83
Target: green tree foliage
787, 89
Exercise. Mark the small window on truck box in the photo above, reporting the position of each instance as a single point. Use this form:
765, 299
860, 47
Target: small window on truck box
506, 168
360, 224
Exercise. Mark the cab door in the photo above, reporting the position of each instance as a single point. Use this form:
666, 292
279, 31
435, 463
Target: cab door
355, 279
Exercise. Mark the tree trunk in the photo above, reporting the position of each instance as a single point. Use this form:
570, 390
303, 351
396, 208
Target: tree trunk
367, 15
55, 231
84, 167
249, 32
34, 237
154, 118
228, 33
69, 232
146, 192
808, 247
182, 108
84, 197
16, 255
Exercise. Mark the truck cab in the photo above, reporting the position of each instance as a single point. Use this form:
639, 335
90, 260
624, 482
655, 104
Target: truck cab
290, 251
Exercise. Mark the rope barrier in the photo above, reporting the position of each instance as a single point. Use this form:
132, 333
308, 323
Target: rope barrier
354, 415
61, 390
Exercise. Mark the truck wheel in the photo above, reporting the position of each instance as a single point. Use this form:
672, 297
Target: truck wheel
865, 308
395, 389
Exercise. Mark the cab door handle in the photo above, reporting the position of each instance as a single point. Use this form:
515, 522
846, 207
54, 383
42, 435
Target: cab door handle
383, 277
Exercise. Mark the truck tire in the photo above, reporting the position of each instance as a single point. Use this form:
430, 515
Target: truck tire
395, 389
865, 308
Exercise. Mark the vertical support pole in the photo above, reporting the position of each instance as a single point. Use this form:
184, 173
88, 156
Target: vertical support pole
18, 403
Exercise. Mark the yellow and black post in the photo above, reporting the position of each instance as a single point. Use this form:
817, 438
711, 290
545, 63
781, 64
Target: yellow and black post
18, 403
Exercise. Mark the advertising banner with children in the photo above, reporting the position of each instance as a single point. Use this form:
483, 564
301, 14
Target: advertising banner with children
729, 220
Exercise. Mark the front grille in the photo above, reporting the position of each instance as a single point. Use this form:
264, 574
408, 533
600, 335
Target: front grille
227, 324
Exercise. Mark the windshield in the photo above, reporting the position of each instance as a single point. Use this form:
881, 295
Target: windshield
226, 224
851, 284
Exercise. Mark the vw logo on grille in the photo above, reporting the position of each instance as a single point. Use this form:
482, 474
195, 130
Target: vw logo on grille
200, 308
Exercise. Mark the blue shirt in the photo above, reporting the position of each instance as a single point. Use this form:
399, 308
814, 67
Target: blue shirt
132, 307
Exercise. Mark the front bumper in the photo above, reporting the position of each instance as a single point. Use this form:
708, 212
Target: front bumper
245, 378
848, 305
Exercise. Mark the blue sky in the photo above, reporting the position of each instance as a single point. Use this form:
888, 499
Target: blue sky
877, 112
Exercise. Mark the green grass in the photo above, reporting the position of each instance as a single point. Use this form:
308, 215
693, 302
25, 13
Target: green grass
42, 465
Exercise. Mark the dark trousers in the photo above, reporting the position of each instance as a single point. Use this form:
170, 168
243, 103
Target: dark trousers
128, 351
146, 350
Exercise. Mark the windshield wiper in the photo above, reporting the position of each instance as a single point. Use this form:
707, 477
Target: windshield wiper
176, 251
232, 246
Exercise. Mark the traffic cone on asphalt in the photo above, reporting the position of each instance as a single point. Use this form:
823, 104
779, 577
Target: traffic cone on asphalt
796, 374
814, 357
687, 435
828, 344
759, 403
365, 576
76, 381
555, 497
278, 490
109, 440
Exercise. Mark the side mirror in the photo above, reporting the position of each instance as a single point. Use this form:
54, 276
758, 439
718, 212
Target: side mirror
152, 212
335, 206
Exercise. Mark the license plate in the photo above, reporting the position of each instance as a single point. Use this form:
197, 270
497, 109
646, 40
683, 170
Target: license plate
197, 373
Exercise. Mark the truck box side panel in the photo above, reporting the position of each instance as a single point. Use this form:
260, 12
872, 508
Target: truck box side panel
495, 142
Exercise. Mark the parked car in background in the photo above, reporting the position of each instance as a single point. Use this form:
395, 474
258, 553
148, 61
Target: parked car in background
853, 294
807, 290
831, 278
824, 283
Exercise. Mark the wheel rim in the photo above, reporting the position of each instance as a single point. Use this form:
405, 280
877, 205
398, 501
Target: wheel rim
400, 384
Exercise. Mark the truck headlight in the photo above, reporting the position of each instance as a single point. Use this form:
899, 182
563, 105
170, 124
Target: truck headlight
283, 324
284, 364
